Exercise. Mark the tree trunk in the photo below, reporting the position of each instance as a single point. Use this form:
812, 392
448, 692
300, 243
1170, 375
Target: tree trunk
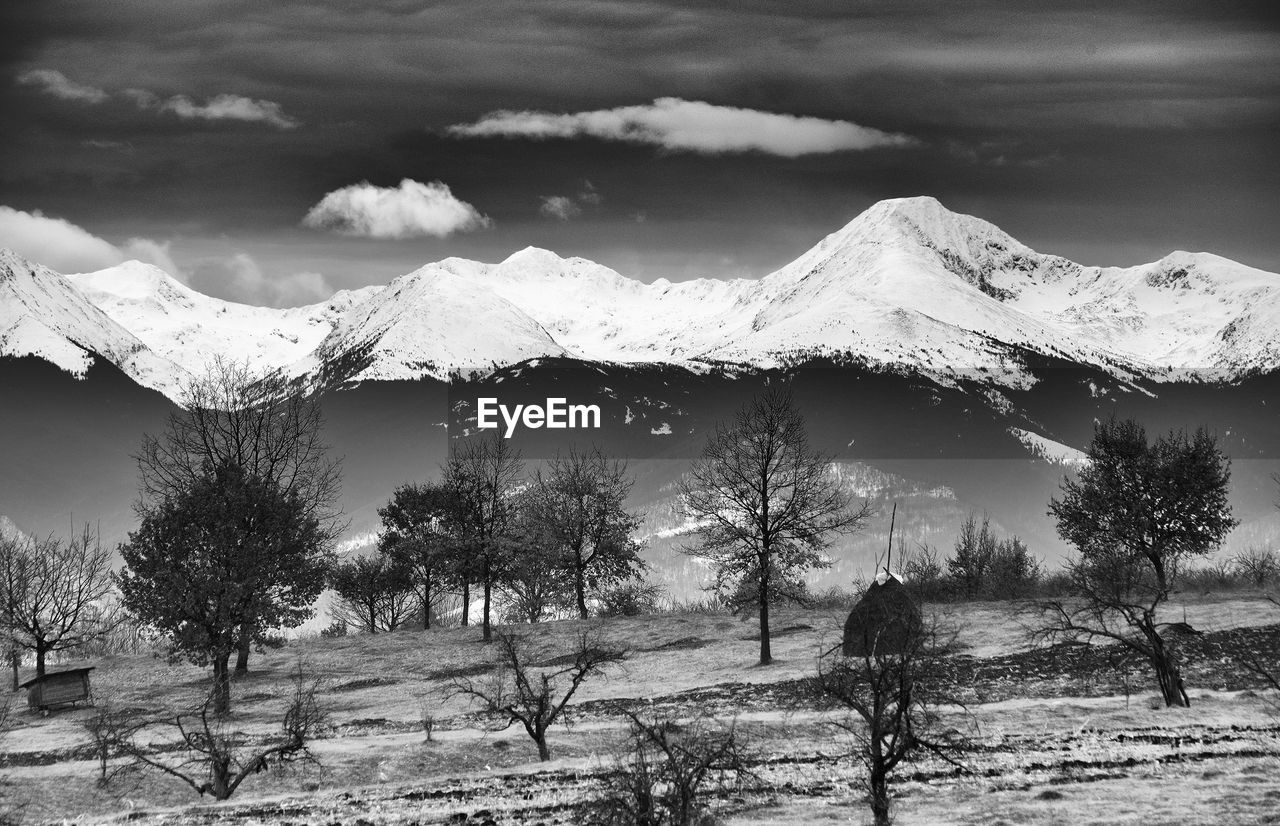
580, 583
221, 684
544, 751
15, 659
766, 654
40, 654
220, 778
242, 656
426, 602
487, 590
880, 798
466, 602
1171, 687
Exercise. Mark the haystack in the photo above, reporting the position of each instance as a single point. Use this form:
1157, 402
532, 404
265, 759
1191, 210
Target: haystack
884, 621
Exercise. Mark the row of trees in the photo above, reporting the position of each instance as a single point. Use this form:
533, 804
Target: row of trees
548, 544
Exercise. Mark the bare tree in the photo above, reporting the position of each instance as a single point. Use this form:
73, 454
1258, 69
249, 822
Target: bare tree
211, 757
482, 475
671, 768
1257, 565
51, 592
766, 505
234, 417
892, 692
580, 502
524, 692
1137, 512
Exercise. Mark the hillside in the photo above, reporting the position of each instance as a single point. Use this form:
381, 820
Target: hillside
1060, 735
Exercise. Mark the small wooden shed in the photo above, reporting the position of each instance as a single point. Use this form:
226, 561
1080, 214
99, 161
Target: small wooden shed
58, 688
883, 621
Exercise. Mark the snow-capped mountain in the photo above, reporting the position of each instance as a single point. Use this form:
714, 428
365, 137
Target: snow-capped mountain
188, 327
906, 283
42, 314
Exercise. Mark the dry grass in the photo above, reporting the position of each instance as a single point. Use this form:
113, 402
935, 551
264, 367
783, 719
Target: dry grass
377, 764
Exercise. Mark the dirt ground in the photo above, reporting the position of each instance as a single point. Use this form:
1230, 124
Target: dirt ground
1066, 735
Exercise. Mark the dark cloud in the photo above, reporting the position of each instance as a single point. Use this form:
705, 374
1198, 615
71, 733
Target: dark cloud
1107, 131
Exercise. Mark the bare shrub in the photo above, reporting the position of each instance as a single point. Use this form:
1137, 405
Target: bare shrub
924, 571
891, 694
520, 691
211, 756
670, 770
1257, 566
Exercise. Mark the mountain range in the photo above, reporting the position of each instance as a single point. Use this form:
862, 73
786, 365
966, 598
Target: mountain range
937, 337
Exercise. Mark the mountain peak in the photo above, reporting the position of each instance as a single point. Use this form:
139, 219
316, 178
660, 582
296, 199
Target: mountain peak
132, 281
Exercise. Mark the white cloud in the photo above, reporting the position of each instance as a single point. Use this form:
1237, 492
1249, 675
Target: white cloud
55, 242
693, 126
65, 247
412, 209
559, 207
229, 107
55, 83
155, 253
246, 282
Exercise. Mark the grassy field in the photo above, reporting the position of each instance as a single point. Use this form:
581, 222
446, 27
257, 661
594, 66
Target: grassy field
1059, 736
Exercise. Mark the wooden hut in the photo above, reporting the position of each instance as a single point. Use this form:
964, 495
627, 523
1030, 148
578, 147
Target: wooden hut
884, 621
58, 688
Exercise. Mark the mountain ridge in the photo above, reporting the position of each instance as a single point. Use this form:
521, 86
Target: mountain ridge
906, 283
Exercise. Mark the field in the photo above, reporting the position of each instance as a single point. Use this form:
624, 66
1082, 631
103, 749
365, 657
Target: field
1066, 735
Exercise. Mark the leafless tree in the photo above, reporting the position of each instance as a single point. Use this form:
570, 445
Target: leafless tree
482, 475
891, 693
580, 504
232, 416
51, 592
1138, 511
532, 694
1257, 565
212, 757
766, 505
670, 769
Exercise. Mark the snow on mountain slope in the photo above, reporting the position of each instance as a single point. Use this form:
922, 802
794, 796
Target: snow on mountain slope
906, 283
188, 327
428, 323
42, 314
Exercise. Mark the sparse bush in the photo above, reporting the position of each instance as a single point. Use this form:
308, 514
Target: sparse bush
1219, 575
832, 597
924, 572
1257, 566
1013, 573
212, 757
630, 599
670, 770
706, 604
975, 549
520, 691
337, 628
428, 719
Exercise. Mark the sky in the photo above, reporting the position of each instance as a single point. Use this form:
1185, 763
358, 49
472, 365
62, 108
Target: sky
274, 152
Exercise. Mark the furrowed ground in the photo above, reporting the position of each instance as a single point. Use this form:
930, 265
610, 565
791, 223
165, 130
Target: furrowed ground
1063, 735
